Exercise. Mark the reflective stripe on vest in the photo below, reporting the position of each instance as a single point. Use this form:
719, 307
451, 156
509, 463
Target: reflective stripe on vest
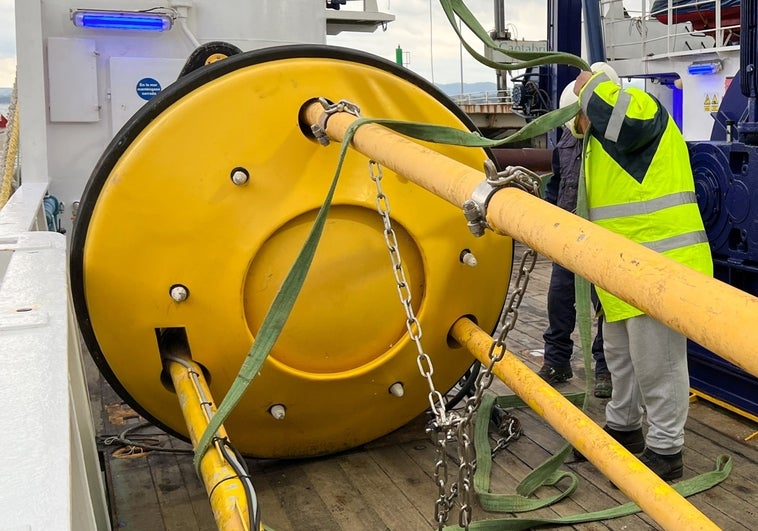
613, 129
642, 207
677, 242
589, 88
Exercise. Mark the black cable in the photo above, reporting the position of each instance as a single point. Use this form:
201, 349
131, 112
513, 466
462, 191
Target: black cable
123, 440
240, 467
469, 380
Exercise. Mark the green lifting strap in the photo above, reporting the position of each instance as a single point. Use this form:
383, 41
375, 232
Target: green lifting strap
525, 59
275, 318
686, 488
582, 289
546, 474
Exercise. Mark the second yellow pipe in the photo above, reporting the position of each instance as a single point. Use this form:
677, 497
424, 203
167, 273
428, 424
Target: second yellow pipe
651, 493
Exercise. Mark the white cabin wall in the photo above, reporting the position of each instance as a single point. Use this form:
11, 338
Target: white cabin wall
640, 46
64, 153
698, 121
258, 24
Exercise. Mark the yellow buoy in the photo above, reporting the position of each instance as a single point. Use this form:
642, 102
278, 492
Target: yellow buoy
196, 211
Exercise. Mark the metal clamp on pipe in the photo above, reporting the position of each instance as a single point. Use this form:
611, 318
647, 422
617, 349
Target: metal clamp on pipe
475, 209
319, 129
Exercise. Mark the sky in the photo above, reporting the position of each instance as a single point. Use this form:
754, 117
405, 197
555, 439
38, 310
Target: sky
420, 29
7, 44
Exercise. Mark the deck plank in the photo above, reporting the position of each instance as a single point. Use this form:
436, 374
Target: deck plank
171, 489
389, 484
338, 490
304, 507
137, 505
380, 493
198, 504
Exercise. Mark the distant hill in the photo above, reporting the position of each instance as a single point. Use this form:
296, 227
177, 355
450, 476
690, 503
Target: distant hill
454, 89
451, 89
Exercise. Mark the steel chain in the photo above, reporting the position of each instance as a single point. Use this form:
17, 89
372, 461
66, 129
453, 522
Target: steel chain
444, 502
526, 181
443, 420
449, 425
412, 324
510, 429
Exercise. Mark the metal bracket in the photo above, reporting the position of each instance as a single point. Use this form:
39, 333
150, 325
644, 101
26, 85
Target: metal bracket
319, 129
475, 209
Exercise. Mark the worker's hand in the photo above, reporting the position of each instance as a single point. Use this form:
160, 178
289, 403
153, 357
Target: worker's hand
581, 80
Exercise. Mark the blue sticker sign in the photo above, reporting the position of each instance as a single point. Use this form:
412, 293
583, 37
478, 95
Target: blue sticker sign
148, 87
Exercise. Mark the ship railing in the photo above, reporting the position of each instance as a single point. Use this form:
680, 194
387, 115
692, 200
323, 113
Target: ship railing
484, 98
632, 30
51, 473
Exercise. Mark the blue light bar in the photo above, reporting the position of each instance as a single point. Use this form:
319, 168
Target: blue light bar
700, 68
121, 20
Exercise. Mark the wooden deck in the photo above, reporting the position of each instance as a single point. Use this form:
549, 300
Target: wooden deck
388, 484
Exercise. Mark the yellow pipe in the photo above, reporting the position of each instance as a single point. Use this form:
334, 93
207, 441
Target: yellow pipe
227, 496
700, 307
658, 499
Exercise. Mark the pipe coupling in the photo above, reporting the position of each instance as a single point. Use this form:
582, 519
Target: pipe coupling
319, 129
475, 209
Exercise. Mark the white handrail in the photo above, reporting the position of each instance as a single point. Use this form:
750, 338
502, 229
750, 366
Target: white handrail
51, 473
630, 32
484, 98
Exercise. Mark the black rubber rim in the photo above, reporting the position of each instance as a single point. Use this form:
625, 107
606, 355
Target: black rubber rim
134, 126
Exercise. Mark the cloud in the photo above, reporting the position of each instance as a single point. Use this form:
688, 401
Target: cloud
422, 30
7, 29
7, 71
7, 43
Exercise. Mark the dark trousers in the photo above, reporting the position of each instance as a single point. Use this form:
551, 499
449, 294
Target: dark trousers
561, 315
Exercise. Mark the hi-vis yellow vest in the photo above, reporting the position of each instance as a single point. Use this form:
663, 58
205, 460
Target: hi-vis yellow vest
639, 180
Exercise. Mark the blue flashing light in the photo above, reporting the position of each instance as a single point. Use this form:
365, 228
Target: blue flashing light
704, 68
122, 20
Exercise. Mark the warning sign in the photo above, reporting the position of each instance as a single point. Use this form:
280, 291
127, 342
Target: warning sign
147, 88
711, 103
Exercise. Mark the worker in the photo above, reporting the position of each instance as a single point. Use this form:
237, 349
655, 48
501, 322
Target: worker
561, 310
639, 184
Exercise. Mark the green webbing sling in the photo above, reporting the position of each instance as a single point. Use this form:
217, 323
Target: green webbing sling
686, 488
545, 474
525, 59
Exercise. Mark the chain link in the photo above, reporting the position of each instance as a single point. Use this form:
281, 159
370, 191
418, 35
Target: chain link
507, 322
444, 424
444, 502
412, 324
449, 426
510, 429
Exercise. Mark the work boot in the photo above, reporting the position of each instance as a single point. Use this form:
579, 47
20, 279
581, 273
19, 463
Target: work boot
603, 385
667, 467
631, 440
554, 375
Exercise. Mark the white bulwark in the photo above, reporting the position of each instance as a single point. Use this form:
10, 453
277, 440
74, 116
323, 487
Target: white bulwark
77, 86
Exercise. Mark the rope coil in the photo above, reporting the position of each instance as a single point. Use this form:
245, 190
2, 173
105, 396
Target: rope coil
9, 155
